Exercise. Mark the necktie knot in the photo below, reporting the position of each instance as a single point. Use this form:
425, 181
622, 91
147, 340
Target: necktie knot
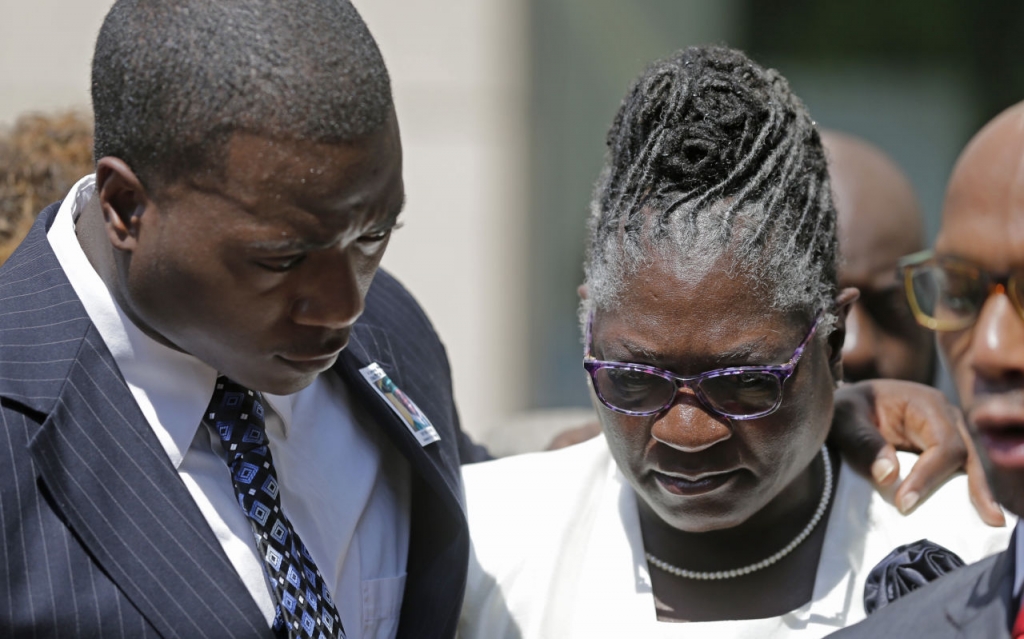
236, 413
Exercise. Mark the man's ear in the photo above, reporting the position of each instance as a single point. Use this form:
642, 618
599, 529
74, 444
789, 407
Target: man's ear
844, 301
123, 199
582, 291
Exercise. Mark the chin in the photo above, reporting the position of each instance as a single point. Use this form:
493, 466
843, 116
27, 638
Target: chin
702, 516
1007, 489
705, 522
275, 382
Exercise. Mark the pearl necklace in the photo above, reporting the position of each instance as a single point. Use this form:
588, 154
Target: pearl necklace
826, 496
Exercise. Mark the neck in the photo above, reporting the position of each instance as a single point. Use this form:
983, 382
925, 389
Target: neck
92, 236
765, 533
783, 586
91, 233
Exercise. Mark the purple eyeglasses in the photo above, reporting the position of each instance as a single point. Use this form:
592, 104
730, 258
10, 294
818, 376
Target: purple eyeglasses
740, 392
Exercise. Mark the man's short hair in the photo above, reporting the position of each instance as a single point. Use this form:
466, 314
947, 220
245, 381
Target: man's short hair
173, 79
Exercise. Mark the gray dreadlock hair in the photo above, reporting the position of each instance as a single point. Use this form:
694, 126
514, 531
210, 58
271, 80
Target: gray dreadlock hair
712, 156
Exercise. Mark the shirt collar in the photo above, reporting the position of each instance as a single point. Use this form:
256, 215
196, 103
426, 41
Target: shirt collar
172, 388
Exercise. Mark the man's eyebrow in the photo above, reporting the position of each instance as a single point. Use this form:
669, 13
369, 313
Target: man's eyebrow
299, 245
284, 246
392, 218
397, 211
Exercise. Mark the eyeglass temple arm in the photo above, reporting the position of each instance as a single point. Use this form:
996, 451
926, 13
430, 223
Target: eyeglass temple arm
803, 345
587, 335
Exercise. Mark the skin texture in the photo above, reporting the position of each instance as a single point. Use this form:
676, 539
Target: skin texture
774, 461
983, 220
879, 222
260, 268
872, 419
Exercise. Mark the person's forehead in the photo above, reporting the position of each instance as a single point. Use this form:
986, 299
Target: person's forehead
669, 316
879, 219
983, 216
324, 188
258, 166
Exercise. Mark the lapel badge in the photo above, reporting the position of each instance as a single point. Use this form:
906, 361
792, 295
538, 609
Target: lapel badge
401, 404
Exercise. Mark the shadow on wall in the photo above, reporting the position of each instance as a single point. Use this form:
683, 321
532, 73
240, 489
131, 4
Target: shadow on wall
41, 158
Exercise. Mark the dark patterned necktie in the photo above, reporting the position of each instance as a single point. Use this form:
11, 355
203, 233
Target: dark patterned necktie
304, 604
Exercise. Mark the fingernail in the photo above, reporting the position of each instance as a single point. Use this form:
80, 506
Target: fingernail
881, 469
908, 501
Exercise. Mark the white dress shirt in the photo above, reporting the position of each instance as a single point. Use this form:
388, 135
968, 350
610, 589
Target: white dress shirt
344, 487
558, 552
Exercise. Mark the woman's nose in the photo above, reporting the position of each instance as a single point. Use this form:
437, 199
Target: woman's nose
689, 427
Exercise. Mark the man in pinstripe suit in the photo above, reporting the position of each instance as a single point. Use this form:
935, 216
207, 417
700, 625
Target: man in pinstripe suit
248, 180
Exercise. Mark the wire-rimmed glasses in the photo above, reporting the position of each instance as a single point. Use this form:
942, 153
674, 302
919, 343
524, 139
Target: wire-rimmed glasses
739, 392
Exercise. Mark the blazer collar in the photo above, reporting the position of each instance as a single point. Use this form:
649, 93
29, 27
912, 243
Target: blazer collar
987, 608
42, 323
107, 475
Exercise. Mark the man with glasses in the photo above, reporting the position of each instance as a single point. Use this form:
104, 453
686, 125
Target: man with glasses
969, 290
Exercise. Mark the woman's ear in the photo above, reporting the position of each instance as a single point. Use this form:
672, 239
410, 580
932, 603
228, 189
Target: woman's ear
123, 199
582, 291
844, 300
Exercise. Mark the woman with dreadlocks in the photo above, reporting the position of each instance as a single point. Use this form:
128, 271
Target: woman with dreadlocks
713, 334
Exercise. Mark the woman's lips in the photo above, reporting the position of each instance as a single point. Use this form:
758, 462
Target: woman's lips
699, 485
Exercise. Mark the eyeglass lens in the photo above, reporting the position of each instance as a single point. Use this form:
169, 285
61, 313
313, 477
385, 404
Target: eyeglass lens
734, 394
950, 295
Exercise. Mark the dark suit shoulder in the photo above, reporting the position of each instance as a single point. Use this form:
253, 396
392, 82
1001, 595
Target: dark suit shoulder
42, 321
390, 304
962, 600
53, 584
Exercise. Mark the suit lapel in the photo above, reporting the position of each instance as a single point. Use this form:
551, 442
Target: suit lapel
432, 463
438, 540
105, 473
986, 610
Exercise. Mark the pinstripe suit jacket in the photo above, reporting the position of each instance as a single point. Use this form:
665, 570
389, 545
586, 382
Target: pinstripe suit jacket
98, 535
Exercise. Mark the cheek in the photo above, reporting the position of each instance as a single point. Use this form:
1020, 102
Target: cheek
202, 300
627, 436
955, 347
365, 265
782, 440
799, 428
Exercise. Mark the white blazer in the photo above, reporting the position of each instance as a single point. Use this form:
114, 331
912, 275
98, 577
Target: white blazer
558, 554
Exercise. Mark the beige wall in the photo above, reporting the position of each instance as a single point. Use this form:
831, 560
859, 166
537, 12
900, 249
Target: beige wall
45, 53
458, 70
